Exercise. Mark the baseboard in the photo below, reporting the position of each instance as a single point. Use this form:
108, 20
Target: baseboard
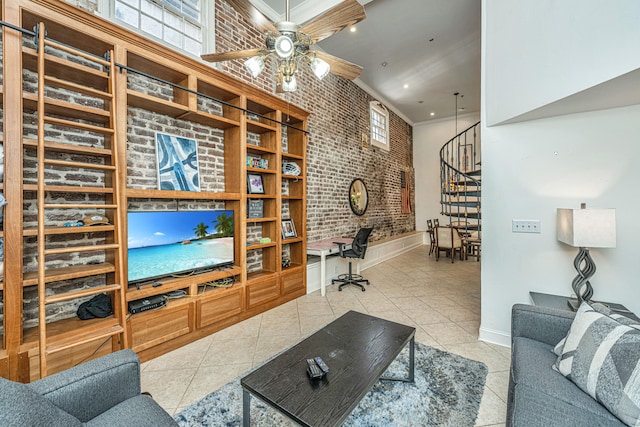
495, 337
377, 252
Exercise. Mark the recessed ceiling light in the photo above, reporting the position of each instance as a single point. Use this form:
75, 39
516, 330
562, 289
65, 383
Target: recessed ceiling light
432, 114
406, 86
352, 29
384, 64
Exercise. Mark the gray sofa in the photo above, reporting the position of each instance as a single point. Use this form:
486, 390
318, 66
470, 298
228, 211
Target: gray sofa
538, 395
101, 392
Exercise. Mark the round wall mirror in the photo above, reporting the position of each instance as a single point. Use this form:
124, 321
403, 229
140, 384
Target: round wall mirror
358, 197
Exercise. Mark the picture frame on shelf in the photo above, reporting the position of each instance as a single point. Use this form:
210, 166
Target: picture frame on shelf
288, 229
177, 163
255, 185
255, 208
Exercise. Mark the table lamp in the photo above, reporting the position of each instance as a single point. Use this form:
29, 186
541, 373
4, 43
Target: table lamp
585, 228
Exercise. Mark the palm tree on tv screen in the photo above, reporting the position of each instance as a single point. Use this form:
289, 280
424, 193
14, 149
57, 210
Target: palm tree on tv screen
201, 230
224, 225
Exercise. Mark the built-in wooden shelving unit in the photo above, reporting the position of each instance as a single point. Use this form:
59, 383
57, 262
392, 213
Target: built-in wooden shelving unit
103, 66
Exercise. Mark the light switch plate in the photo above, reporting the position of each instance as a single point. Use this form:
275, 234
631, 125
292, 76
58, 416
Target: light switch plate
525, 225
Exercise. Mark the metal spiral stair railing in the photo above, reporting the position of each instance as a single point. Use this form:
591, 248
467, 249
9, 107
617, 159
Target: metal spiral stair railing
460, 180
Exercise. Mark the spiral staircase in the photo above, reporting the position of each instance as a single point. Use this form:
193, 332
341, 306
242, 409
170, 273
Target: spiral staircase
460, 181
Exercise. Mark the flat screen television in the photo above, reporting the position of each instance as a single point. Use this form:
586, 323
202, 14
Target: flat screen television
174, 243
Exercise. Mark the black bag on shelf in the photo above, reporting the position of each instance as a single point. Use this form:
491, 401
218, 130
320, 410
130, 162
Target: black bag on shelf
98, 306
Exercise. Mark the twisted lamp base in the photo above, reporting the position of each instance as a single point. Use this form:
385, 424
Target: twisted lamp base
586, 268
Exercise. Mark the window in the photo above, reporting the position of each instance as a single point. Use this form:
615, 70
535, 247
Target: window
178, 23
379, 118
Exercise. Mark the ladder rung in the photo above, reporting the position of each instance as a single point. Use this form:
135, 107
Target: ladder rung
70, 206
81, 249
81, 293
69, 189
78, 88
81, 165
68, 109
76, 52
61, 147
83, 337
77, 125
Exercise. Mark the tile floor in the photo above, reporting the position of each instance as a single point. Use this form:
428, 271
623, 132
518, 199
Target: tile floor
441, 299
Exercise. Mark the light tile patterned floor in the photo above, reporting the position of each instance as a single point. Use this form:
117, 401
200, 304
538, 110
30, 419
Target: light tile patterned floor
440, 299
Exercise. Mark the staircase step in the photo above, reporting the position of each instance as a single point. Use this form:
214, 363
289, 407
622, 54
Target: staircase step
472, 193
472, 204
474, 173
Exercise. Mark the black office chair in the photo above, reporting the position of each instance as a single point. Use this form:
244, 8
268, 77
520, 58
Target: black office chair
358, 249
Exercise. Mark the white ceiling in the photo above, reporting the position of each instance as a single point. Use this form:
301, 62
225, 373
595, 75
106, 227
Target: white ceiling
433, 46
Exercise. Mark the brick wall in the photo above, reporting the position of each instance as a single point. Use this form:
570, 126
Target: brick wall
340, 115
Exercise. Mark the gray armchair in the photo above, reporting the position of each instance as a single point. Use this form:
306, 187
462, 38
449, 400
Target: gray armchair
101, 392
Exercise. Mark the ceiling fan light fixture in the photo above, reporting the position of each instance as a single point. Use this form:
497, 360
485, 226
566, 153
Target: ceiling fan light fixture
255, 65
289, 84
284, 47
320, 68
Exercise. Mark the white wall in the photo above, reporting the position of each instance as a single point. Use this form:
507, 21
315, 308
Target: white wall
428, 139
532, 168
541, 51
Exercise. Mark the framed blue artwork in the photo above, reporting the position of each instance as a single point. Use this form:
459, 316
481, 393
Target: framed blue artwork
177, 159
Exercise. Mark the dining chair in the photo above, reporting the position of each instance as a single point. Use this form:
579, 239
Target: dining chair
448, 240
432, 236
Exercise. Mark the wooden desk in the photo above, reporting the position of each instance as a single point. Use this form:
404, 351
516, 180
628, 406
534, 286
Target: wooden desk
323, 248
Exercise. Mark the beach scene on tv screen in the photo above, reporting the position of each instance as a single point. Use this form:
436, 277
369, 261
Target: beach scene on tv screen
166, 243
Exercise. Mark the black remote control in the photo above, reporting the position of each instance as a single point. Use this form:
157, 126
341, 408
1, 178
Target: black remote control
314, 370
323, 366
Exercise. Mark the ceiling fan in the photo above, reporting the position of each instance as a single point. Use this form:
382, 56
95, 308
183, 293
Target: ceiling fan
289, 43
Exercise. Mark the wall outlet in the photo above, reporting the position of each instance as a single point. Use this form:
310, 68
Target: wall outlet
525, 225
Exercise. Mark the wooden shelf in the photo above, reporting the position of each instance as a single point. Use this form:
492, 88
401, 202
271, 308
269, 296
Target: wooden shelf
292, 156
69, 189
60, 147
260, 170
265, 219
257, 149
255, 246
288, 197
292, 240
48, 231
67, 273
67, 109
171, 284
178, 111
67, 70
258, 127
67, 333
260, 196
294, 177
175, 194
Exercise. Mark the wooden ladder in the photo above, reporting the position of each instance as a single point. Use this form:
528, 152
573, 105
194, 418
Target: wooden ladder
57, 72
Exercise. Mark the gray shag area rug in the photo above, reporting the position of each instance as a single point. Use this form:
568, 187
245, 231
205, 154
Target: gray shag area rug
446, 392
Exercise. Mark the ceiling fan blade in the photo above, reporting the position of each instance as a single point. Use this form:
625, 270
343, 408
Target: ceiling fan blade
227, 56
340, 67
342, 15
253, 15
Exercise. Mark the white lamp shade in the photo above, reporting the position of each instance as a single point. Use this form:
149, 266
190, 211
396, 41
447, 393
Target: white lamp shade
255, 65
320, 68
587, 228
291, 85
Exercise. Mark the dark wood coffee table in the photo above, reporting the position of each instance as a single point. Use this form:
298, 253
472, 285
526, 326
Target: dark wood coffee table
358, 348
